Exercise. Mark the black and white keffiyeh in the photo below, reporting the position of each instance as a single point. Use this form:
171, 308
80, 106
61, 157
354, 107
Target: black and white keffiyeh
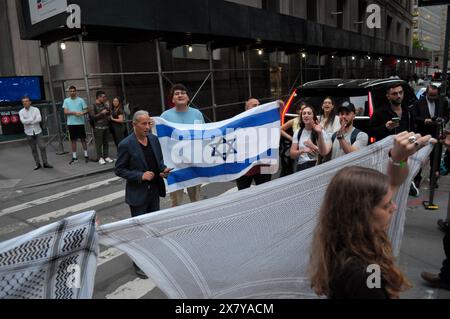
249, 244
57, 261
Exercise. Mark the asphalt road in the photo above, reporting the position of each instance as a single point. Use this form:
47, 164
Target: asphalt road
27, 209
22, 210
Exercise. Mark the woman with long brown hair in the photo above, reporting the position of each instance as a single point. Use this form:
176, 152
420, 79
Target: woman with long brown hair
329, 119
350, 240
117, 120
304, 147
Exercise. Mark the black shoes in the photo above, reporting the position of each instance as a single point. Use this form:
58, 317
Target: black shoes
139, 272
444, 225
75, 160
413, 190
46, 165
435, 281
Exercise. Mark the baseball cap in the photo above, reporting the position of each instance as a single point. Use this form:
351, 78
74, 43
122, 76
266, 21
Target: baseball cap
347, 106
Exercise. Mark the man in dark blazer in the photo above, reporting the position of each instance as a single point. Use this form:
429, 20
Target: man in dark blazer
426, 111
140, 162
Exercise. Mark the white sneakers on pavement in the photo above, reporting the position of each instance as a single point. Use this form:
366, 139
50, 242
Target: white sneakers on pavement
109, 160
101, 161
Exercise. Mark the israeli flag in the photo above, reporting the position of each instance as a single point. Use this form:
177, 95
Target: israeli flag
221, 151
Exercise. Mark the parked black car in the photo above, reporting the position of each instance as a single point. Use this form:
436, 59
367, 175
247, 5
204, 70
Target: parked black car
366, 94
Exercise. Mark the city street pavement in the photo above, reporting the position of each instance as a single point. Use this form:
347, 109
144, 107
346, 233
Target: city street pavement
17, 164
31, 199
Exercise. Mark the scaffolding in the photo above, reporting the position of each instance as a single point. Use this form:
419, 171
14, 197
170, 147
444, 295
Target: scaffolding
305, 72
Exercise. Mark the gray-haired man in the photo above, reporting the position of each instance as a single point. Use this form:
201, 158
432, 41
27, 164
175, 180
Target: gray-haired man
140, 161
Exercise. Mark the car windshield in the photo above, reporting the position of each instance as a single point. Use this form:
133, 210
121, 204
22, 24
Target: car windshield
360, 102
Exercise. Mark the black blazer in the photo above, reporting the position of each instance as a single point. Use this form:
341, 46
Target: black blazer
131, 165
383, 115
421, 113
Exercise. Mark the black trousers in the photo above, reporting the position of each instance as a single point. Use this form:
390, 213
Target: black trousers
151, 203
445, 270
244, 182
418, 177
305, 165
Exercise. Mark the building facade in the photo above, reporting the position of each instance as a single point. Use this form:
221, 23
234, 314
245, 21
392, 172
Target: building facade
289, 43
429, 34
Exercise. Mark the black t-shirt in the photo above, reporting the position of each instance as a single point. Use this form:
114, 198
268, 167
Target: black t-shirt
151, 161
385, 114
351, 283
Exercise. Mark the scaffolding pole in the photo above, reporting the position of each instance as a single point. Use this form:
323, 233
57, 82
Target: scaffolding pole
86, 81
85, 72
213, 88
122, 77
60, 150
249, 75
160, 75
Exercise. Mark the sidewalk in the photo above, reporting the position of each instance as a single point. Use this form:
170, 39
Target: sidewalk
17, 164
422, 248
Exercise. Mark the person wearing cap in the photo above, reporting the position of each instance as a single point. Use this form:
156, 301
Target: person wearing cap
347, 139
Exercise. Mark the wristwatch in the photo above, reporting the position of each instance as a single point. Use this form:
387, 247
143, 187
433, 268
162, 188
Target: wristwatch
339, 136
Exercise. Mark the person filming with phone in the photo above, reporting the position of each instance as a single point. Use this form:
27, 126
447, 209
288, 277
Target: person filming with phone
430, 115
393, 118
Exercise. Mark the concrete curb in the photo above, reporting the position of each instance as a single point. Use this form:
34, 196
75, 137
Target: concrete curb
68, 178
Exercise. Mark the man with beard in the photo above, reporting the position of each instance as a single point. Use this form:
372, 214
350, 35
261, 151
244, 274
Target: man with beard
347, 140
426, 111
393, 118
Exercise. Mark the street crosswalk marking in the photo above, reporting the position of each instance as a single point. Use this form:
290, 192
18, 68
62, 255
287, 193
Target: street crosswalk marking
134, 289
108, 255
77, 208
54, 197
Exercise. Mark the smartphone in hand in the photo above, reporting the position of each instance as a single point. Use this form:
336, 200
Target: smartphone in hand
395, 119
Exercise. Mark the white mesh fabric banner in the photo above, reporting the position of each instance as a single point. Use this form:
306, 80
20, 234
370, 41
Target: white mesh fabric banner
249, 244
57, 261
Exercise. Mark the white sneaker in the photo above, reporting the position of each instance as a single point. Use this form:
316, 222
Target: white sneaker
109, 160
101, 161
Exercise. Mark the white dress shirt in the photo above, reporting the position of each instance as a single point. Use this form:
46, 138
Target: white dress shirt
431, 107
30, 119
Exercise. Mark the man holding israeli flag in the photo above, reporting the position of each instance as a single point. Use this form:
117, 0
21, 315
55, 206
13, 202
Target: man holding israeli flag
221, 151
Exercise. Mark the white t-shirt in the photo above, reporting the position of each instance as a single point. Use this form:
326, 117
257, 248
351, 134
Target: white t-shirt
306, 135
361, 141
330, 129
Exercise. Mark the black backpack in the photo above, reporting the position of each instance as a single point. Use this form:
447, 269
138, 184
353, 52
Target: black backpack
352, 137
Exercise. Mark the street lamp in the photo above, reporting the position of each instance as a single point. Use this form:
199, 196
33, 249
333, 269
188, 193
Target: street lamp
62, 45
190, 49
304, 55
260, 52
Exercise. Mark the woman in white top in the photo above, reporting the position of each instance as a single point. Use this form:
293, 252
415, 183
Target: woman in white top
304, 142
293, 124
329, 120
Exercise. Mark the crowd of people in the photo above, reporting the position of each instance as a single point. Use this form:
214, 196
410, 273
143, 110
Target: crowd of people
348, 238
